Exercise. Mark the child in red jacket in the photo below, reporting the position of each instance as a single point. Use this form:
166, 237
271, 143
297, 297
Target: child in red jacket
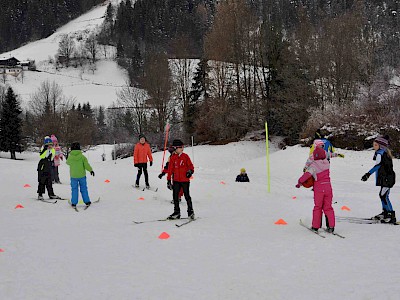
180, 169
171, 151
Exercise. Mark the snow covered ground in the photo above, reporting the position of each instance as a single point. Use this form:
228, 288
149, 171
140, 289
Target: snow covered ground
98, 88
234, 251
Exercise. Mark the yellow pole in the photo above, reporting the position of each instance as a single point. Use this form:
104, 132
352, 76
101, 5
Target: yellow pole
267, 147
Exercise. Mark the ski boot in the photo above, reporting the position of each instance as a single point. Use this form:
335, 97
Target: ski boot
40, 197
191, 214
174, 216
54, 197
330, 229
380, 216
390, 217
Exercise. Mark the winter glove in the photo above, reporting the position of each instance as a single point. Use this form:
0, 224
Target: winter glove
161, 175
136, 165
151, 163
298, 185
169, 185
365, 176
189, 174
92, 173
341, 155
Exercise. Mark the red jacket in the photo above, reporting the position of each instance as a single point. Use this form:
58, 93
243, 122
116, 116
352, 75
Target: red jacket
141, 152
178, 166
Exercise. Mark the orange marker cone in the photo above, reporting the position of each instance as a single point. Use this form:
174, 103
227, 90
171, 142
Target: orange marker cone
1, 250
222, 182
344, 207
141, 198
19, 206
163, 236
26, 186
294, 197
107, 181
281, 222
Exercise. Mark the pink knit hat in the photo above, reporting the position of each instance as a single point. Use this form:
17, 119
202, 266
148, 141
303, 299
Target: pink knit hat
318, 143
54, 139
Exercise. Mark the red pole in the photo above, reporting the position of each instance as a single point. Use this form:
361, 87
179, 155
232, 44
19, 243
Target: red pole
165, 145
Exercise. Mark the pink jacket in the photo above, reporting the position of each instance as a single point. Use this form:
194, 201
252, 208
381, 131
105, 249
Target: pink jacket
319, 169
59, 155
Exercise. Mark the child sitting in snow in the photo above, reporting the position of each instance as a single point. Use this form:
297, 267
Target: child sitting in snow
319, 169
242, 177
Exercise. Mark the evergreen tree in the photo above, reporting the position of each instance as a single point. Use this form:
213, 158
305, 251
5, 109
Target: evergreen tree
10, 124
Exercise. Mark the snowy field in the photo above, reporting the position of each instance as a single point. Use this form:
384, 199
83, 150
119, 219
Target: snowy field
98, 88
233, 251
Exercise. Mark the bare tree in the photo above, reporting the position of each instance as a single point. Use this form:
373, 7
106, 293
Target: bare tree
48, 92
92, 47
134, 100
157, 82
66, 48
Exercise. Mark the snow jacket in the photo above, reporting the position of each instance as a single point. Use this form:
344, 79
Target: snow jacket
242, 178
78, 164
319, 169
141, 153
178, 166
58, 155
385, 175
45, 152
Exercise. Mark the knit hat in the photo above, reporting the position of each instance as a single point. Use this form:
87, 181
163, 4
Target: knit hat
242, 170
318, 144
54, 139
383, 141
319, 153
75, 146
141, 136
47, 140
177, 143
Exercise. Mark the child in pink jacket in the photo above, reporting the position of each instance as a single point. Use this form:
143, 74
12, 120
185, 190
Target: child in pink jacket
323, 195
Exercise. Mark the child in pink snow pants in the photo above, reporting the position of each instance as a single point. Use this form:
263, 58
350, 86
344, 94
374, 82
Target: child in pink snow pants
323, 195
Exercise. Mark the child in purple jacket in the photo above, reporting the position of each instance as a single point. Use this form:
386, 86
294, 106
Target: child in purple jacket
323, 195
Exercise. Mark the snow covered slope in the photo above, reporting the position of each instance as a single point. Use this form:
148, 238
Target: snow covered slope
234, 251
98, 88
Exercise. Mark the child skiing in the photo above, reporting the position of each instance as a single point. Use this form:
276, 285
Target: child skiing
58, 155
385, 177
242, 177
78, 165
141, 154
319, 169
180, 169
171, 151
47, 154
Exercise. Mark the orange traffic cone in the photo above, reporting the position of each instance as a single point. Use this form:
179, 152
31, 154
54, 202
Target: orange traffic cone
344, 207
163, 236
281, 222
19, 206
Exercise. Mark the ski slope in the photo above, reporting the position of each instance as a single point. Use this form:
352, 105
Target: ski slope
84, 85
233, 251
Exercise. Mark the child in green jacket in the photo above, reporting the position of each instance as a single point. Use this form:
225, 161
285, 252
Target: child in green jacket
78, 165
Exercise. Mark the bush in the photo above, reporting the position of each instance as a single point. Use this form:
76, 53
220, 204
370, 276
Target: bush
122, 151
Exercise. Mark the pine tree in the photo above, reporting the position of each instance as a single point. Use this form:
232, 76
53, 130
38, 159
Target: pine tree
10, 124
198, 93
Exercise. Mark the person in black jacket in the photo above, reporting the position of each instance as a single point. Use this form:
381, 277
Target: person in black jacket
242, 177
44, 169
385, 177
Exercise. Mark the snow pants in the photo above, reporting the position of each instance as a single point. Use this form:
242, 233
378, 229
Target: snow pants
323, 203
384, 195
176, 189
142, 168
45, 182
76, 184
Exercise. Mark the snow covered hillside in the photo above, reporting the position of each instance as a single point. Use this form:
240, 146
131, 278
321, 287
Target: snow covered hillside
233, 251
98, 88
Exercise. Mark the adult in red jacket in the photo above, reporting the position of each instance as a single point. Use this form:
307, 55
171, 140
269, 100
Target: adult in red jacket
141, 154
180, 169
